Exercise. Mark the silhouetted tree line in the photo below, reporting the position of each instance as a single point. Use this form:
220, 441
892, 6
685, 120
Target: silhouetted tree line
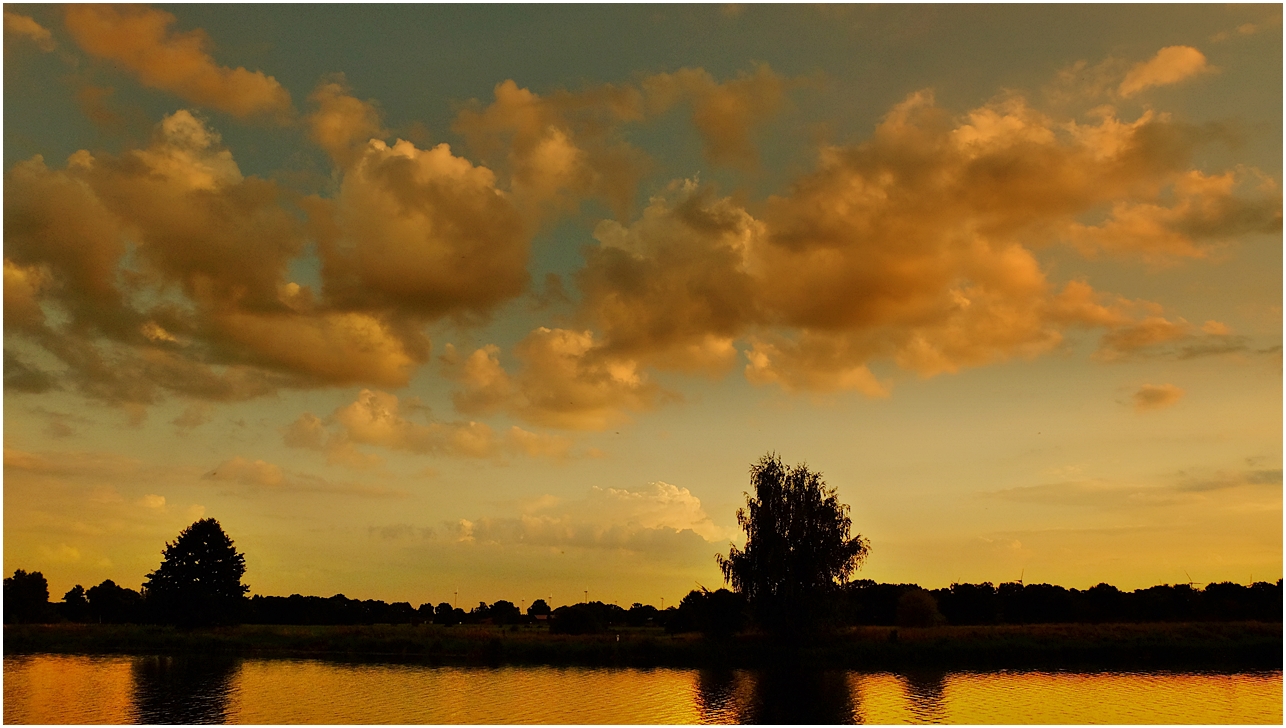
864, 602
716, 614
790, 579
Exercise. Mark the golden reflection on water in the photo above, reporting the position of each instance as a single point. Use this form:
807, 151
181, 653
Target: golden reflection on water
1065, 697
71, 689
68, 689
316, 692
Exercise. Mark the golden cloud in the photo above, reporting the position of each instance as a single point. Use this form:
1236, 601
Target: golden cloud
376, 418
916, 245
560, 146
1170, 65
562, 382
108, 242
24, 26
342, 124
723, 113
421, 232
566, 145
673, 288
660, 519
254, 477
139, 40
190, 222
1205, 208
1156, 396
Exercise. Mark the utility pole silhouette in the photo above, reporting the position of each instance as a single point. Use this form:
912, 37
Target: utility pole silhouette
587, 596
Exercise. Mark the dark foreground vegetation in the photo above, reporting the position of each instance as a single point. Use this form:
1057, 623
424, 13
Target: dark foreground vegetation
716, 614
1180, 645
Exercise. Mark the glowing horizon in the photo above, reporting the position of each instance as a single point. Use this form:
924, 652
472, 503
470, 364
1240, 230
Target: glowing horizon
507, 299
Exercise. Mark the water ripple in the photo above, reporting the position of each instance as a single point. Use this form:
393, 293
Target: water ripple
60, 689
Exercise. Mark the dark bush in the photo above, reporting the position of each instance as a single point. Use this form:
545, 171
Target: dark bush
918, 608
576, 619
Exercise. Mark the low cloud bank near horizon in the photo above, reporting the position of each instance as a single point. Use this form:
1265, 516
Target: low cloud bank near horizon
661, 519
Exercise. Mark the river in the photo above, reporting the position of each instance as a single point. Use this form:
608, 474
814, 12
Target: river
129, 689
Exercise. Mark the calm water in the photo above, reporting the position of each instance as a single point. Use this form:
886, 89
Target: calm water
71, 689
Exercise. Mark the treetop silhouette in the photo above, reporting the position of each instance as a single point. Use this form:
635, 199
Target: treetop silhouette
798, 546
199, 580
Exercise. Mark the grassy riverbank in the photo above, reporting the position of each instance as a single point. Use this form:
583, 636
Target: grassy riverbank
1237, 645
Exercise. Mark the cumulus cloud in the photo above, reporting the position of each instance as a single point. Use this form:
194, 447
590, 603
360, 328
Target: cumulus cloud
254, 477
379, 419
166, 269
563, 381
1205, 212
725, 114
560, 146
918, 245
660, 519
674, 288
811, 363
342, 123
567, 145
1170, 65
25, 27
1156, 396
140, 40
421, 232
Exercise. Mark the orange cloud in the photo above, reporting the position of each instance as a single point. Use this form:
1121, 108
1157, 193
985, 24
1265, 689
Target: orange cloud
376, 418
673, 288
659, 519
1156, 396
1170, 65
560, 146
565, 145
139, 40
916, 245
1206, 211
812, 363
26, 27
342, 124
562, 382
193, 226
723, 113
421, 232
255, 477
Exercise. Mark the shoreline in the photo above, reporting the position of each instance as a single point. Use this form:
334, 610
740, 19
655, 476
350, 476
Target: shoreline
1188, 645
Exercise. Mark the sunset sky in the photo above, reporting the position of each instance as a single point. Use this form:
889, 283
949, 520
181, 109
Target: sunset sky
505, 300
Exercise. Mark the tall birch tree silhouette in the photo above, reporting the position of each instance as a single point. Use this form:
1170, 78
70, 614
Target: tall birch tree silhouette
798, 547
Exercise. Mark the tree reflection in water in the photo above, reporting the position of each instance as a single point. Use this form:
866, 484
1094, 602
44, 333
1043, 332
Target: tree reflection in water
925, 695
717, 695
782, 696
182, 690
